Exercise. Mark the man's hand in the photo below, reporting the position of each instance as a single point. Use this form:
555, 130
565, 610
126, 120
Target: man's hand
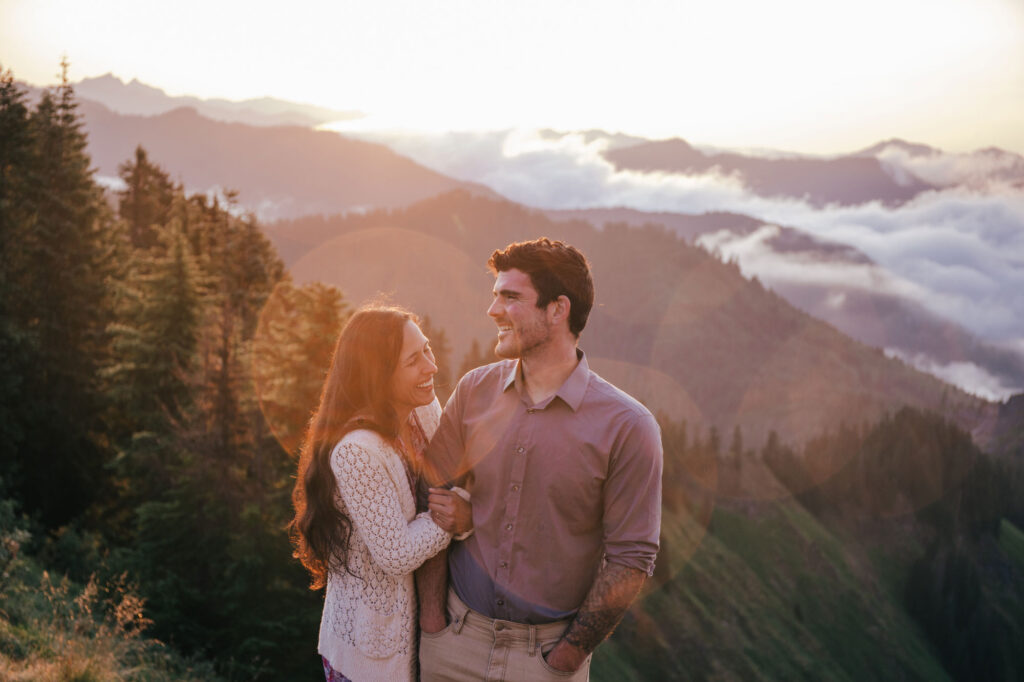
609, 597
566, 657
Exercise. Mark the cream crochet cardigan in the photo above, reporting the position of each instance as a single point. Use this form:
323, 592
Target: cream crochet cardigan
368, 627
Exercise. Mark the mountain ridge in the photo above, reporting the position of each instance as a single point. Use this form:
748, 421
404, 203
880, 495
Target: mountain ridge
843, 180
729, 352
280, 171
138, 98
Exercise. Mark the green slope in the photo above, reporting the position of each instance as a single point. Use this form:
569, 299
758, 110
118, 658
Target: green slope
776, 596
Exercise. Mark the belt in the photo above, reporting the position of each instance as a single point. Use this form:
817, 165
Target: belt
506, 630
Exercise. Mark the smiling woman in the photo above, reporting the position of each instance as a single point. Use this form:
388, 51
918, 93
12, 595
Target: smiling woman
356, 528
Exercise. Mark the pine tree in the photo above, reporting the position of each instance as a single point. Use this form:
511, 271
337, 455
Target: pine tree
475, 357
153, 356
17, 351
57, 304
146, 200
292, 353
442, 355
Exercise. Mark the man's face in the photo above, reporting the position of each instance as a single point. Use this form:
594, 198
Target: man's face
522, 326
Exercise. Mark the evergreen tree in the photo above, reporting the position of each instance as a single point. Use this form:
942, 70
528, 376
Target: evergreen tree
57, 305
443, 385
153, 355
18, 353
292, 353
475, 357
146, 200
736, 446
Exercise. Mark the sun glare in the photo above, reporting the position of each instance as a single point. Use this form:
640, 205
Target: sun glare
796, 74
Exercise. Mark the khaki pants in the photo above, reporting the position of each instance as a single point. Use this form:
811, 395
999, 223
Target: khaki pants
474, 647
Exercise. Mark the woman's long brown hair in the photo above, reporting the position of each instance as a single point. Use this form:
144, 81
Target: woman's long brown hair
356, 394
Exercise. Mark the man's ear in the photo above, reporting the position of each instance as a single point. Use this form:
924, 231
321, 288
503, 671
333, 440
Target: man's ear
559, 309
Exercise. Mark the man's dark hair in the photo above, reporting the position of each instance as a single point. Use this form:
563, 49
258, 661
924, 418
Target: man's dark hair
555, 269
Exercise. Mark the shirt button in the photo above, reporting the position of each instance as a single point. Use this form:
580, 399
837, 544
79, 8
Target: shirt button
501, 602
504, 564
520, 450
498, 626
508, 526
515, 488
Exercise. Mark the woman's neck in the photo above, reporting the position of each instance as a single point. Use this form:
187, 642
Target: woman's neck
403, 422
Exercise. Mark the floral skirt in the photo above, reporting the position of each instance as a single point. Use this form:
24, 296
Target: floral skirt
332, 675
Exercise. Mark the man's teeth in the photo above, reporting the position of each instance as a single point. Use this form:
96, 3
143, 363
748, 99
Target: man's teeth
427, 384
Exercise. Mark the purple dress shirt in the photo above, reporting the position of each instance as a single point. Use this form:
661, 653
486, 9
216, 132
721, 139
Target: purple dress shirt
557, 488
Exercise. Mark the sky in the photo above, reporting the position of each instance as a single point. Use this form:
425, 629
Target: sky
799, 75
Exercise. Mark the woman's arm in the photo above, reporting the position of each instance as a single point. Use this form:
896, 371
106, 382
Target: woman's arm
371, 500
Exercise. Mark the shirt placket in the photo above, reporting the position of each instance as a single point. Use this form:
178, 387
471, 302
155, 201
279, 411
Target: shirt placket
518, 450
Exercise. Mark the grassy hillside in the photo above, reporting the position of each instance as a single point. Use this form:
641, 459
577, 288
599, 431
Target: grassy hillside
55, 629
900, 564
773, 596
776, 596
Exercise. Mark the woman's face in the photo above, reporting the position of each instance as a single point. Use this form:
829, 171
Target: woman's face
412, 384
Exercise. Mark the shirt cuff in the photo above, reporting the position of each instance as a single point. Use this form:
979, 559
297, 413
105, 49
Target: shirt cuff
464, 494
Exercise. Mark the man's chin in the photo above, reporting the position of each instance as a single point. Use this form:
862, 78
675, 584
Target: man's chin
505, 353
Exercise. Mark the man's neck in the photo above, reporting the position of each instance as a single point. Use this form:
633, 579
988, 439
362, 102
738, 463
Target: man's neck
546, 370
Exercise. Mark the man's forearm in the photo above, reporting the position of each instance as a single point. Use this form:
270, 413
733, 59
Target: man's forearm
432, 588
614, 589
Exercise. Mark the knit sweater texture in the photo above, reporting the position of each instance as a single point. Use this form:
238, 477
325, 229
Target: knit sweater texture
368, 628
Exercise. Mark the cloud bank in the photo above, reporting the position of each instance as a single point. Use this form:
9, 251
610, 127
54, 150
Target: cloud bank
958, 250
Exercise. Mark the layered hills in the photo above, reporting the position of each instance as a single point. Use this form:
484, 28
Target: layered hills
282, 171
135, 97
843, 180
793, 264
292, 171
685, 332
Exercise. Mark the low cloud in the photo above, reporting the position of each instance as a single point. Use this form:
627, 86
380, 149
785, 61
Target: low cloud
983, 168
756, 257
966, 375
958, 251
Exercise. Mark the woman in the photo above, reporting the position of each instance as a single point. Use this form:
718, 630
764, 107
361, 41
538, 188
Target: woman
355, 528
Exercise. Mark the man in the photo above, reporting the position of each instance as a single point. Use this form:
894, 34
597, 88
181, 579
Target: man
564, 470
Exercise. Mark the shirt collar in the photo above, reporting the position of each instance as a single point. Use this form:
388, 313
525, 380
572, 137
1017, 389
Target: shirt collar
571, 392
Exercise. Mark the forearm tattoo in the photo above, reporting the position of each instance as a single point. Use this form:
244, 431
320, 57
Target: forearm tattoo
613, 591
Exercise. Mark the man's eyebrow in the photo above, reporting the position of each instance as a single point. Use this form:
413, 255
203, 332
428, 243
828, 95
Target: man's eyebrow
508, 292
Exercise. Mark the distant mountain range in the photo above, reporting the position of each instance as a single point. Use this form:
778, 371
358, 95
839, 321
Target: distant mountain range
286, 172
138, 98
877, 318
844, 180
280, 171
891, 172
683, 331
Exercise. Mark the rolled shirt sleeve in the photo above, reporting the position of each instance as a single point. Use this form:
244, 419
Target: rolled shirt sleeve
632, 500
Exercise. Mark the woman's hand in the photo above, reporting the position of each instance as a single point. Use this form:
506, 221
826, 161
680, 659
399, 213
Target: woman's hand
452, 513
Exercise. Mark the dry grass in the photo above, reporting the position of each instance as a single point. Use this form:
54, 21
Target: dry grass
59, 632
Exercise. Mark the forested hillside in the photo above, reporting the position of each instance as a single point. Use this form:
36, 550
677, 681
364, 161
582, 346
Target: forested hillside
159, 363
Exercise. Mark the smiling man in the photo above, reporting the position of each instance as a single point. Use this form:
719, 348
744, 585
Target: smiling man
564, 470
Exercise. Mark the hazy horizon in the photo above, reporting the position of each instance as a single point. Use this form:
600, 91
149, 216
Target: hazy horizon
796, 76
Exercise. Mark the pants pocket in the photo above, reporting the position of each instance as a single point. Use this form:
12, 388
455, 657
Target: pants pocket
554, 673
